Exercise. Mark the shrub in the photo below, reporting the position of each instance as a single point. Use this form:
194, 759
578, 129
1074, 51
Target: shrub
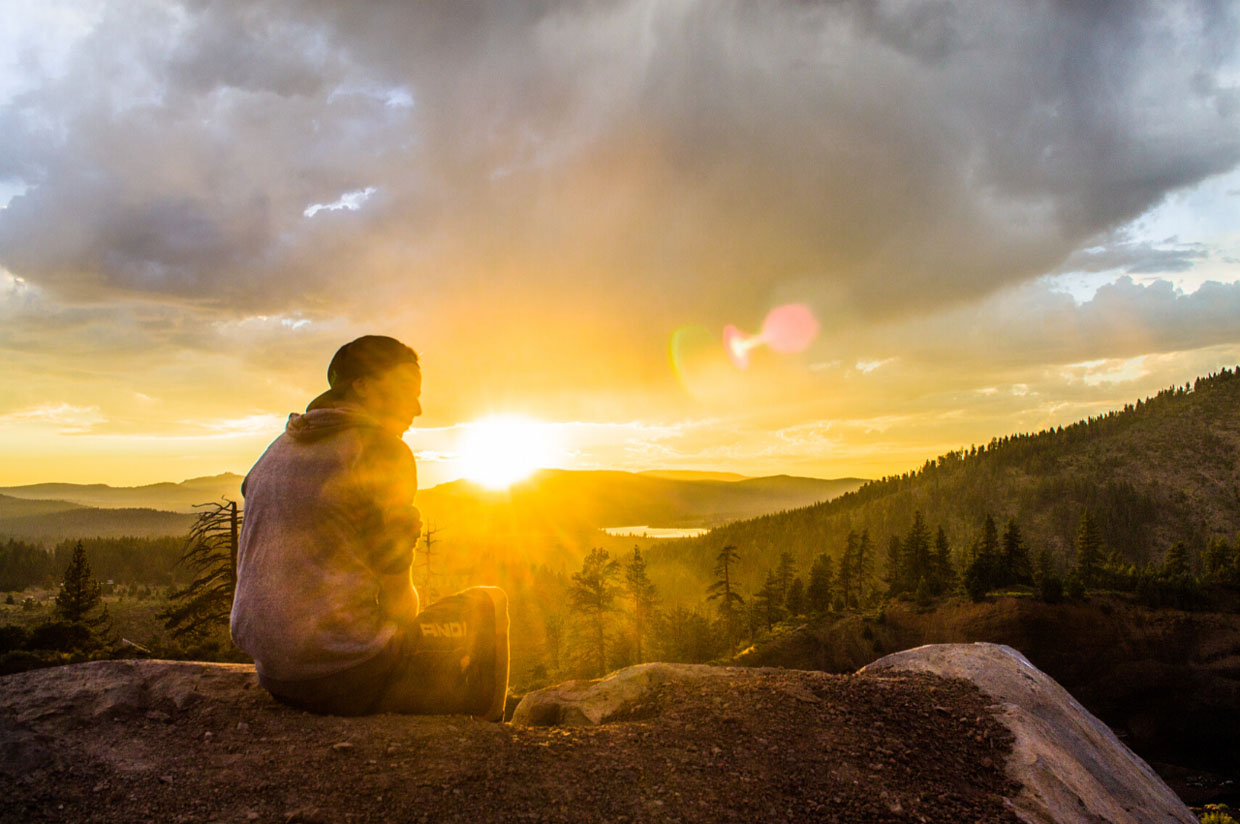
22, 660
1050, 589
976, 583
61, 636
923, 593
1218, 814
12, 637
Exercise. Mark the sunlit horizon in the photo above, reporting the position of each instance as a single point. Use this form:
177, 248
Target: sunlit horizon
499, 450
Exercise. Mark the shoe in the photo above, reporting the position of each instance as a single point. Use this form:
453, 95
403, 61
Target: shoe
459, 657
492, 680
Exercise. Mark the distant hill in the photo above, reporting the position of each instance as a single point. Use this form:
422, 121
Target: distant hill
568, 505
11, 507
1160, 470
693, 475
174, 497
568, 499
88, 522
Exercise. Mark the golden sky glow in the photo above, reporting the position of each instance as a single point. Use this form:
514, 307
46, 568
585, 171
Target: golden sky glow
500, 450
986, 227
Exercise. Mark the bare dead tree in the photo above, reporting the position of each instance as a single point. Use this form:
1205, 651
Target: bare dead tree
211, 552
427, 551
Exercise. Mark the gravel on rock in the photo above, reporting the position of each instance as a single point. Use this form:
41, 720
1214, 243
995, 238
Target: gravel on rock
760, 745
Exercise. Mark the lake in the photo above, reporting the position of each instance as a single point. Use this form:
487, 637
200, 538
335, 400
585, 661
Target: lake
655, 531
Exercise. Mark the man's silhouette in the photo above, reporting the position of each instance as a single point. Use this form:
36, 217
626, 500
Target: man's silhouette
324, 600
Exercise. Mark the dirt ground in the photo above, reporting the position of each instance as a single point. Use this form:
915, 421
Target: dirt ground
767, 745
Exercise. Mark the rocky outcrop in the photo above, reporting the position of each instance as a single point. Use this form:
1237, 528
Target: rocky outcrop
969, 733
1167, 681
1070, 766
623, 695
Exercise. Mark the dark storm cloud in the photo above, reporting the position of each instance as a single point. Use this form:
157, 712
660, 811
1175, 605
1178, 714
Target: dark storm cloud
672, 153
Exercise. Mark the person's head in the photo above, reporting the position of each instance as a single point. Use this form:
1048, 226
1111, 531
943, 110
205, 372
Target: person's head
381, 375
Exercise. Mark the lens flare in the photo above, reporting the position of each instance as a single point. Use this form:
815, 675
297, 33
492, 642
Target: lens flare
790, 328
737, 344
787, 329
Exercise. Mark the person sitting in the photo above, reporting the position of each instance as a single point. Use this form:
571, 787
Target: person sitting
324, 600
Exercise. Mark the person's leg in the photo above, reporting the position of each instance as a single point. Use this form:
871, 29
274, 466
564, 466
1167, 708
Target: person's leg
453, 658
355, 691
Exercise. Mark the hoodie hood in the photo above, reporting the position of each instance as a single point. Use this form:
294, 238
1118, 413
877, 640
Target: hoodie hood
323, 421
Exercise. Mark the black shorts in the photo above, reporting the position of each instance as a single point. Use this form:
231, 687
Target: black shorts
452, 659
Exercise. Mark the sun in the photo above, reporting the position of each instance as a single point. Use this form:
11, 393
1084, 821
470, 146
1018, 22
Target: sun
500, 450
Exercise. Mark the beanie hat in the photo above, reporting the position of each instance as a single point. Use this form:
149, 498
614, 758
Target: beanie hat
368, 356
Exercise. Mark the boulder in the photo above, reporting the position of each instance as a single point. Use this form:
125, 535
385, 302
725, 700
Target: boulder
100, 689
1071, 767
949, 733
1068, 765
622, 695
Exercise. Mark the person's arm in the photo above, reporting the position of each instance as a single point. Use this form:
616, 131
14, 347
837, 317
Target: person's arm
396, 526
398, 597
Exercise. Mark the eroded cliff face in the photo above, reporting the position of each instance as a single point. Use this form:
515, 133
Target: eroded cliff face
1167, 681
133, 740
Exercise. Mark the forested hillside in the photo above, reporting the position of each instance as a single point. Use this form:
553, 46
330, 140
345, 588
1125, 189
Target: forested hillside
1162, 470
67, 524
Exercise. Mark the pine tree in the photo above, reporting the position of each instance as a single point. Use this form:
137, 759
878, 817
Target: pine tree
593, 594
80, 594
1217, 559
895, 582
203, 606
1176, 562
1046, 578
916, 553
785, 572
944, 573
1015, 568
1088, 549
795, 601
863, 568
821, 581
848, 569
988, 546
642, 593
981, 575
722, 590
768, 600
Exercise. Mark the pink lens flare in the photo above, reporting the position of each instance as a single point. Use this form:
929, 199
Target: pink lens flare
787, 329
790, 328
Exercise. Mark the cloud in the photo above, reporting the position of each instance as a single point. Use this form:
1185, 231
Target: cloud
1034, 324
535, 195
64, 418
1137, 257
901, 154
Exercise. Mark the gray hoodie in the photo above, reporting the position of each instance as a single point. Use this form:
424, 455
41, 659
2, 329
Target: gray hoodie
327, 512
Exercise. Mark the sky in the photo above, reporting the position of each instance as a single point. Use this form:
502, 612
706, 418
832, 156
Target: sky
1000, 216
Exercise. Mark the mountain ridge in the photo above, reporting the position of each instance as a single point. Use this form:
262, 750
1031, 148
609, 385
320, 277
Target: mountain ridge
552, 501
1157, 471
